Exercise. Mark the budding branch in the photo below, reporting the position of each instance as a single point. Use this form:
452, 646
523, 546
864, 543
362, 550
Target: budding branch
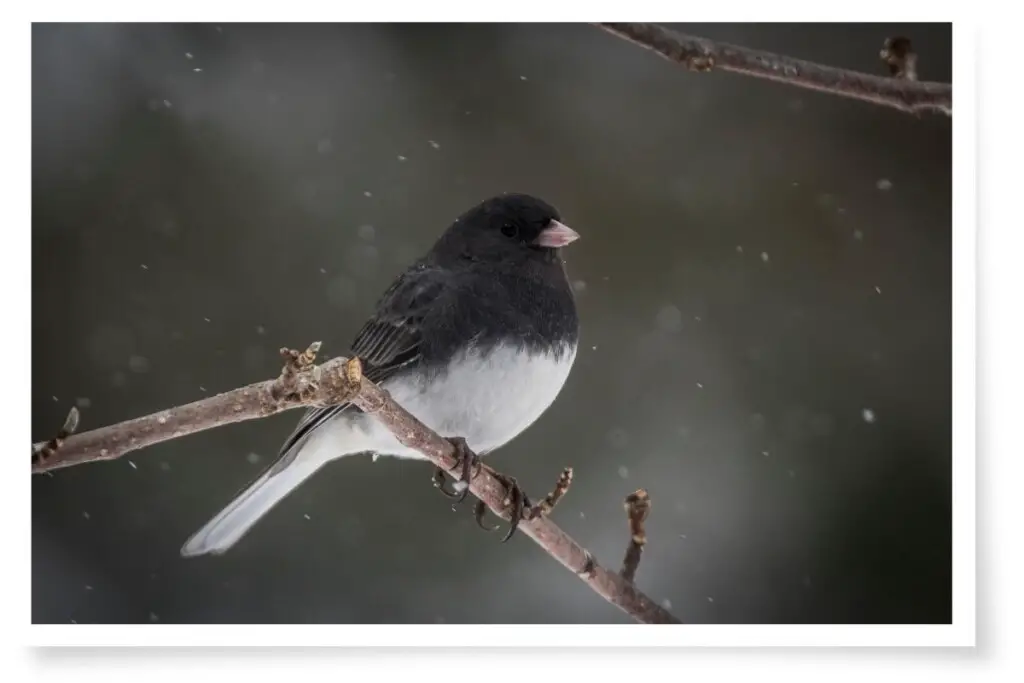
304, 384
900, 90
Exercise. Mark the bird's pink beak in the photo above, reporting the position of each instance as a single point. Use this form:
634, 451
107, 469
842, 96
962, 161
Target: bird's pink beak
556, 235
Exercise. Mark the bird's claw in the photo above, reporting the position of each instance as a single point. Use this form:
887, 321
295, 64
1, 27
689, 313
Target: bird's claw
479, 510
470, 464
515, 502
438, 480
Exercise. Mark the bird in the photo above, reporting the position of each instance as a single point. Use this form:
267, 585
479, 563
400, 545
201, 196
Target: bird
476, 339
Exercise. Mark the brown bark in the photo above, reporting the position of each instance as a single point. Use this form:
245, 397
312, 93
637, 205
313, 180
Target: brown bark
700, 54
336, 381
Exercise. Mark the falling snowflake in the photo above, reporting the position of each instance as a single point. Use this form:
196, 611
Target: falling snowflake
868, 415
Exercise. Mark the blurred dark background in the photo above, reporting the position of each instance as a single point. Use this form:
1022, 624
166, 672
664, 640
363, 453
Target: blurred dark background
764, 282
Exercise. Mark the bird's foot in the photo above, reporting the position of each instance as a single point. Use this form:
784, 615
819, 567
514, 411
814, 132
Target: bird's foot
519, 505
468, 461
516, 503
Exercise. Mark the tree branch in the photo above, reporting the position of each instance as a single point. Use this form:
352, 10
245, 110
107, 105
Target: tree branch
300, 384
339, 380
904, 93
638, 506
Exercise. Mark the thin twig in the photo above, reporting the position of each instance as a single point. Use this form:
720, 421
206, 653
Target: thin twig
317, 385
898, 54
544, 507
701, 54
336, 381
44, 451
294, 364
638, 506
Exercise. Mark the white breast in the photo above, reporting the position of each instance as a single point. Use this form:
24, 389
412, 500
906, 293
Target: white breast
487, 398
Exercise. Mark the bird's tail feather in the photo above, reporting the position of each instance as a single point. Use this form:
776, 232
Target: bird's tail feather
231, 523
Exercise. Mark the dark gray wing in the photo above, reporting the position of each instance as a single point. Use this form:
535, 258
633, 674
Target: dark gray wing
389, 341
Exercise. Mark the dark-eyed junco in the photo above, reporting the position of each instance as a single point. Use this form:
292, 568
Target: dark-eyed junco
476, 339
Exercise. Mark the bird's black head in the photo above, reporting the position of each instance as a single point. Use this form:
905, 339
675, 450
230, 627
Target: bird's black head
507, 226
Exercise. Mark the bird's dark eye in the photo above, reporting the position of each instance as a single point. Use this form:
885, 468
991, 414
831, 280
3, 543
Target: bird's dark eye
509, 230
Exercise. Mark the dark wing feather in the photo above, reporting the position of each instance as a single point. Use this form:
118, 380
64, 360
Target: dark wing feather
389, 341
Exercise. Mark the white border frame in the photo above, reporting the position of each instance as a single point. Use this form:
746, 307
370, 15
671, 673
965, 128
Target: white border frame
961, 632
